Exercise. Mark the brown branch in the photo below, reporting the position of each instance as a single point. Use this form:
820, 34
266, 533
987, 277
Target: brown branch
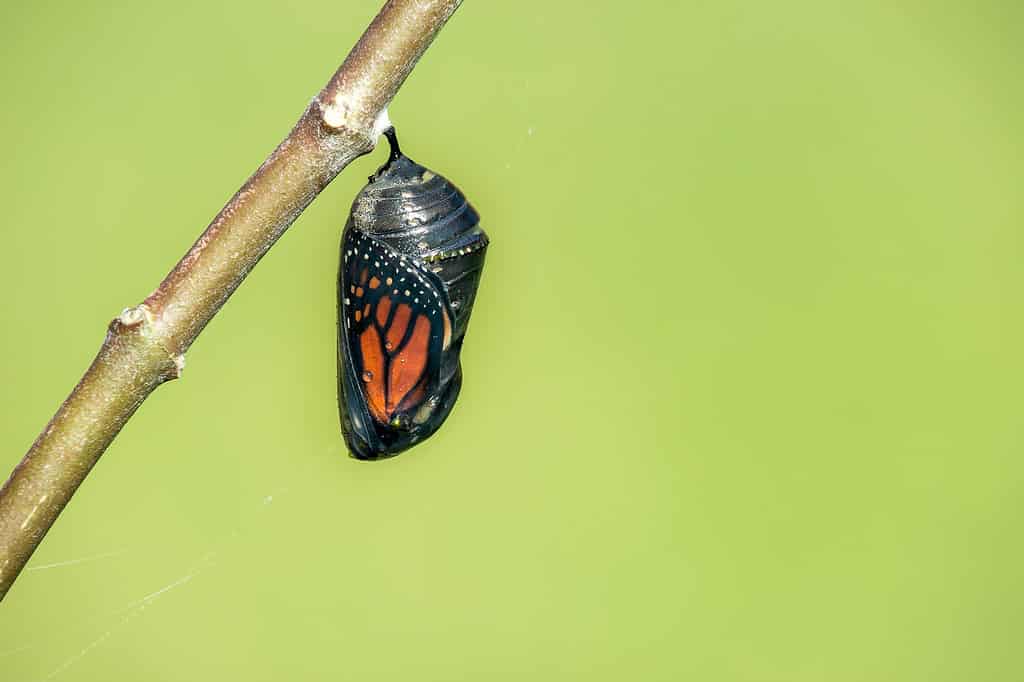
144, 346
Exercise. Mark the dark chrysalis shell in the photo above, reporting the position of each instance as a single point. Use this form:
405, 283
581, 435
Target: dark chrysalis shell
411, 258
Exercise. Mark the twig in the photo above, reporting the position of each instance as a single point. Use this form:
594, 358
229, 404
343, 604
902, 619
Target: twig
145, 345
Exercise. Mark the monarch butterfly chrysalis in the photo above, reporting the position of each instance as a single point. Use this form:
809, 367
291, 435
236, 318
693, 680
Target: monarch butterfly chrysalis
411, 257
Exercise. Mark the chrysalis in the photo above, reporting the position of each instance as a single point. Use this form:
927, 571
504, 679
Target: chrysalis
411, 257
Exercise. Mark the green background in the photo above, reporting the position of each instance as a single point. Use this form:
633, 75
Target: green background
743, 382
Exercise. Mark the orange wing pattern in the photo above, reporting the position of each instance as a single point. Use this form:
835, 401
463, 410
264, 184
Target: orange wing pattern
397, 326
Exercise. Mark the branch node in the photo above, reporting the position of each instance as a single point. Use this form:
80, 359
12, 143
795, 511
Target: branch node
338, 117
133, 317
140, 320
335, 114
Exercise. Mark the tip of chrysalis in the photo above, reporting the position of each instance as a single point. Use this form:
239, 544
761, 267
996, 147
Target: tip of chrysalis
395, 155
396, 151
